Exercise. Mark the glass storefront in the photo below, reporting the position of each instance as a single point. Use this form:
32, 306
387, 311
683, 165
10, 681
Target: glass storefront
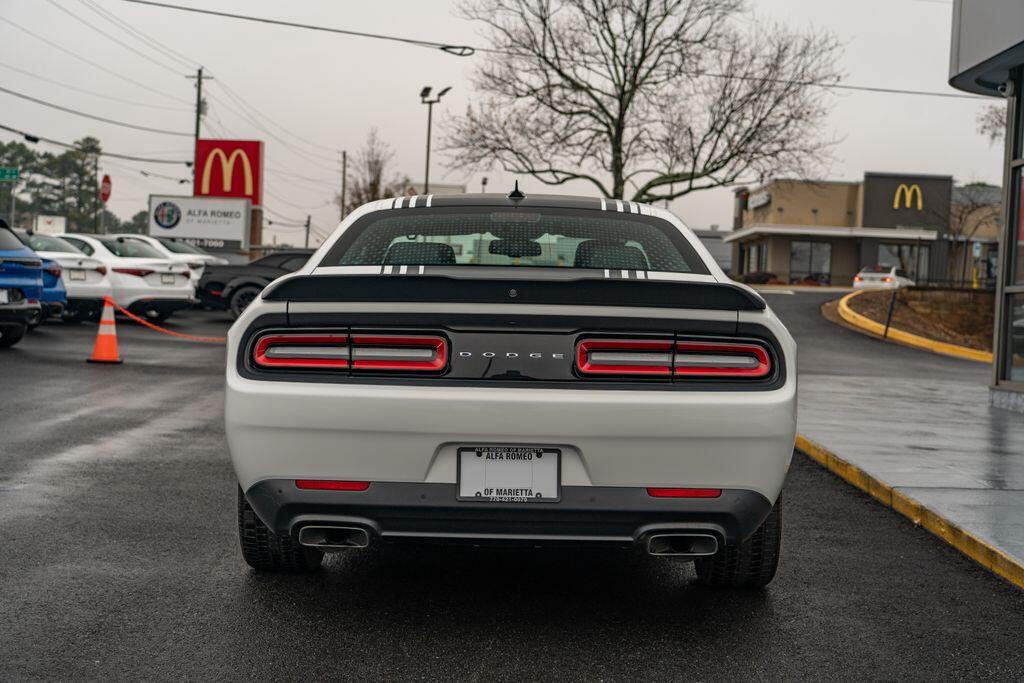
1011, 289
810, 262
909, 257
1018, 231
1015, 343
757, 258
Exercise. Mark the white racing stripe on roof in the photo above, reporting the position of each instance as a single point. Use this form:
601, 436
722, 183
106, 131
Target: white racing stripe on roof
429, 198
403, 269
421, 270
641, 275
618, 205
604, 204
625, 275
412, 201
607, 274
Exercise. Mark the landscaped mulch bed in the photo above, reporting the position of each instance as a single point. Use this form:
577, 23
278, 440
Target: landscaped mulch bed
956, 316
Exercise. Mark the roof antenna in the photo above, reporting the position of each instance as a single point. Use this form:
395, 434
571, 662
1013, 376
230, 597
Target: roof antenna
516, 194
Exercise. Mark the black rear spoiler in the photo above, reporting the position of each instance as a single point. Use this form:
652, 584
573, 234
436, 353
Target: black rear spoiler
432, 288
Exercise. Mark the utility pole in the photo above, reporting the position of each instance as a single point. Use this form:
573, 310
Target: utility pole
344, 176
14, 184
426, 99
308, 217
199, 115
99, 202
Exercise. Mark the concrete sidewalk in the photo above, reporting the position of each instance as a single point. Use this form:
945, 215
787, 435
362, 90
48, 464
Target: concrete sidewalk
935, 449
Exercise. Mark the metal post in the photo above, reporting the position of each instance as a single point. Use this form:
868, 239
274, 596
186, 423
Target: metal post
426, 173
344, 176
888, 317
14, 184
99, 202
199, 115
307, 230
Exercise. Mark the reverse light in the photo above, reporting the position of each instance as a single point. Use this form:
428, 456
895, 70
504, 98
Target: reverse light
137, 272
331, 485
721, 359
683, 493
624, 357
399, 353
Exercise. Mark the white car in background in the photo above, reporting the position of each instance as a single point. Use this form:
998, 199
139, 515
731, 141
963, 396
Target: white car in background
142, 280
180, 252
881, 277
85, 278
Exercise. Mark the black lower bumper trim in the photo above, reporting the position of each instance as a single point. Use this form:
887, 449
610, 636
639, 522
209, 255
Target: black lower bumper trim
159, 305
585, 514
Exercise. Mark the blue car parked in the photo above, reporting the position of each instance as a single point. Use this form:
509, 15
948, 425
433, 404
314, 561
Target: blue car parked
21, 287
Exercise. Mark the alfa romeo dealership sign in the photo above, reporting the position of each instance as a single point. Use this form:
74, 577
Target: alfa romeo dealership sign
213, 224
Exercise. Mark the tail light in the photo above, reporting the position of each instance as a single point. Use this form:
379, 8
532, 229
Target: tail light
886, 279
54, 271
195, 266
377, 352
857, 278
302, 351
137, 272
666, 358
102, 270
389, 352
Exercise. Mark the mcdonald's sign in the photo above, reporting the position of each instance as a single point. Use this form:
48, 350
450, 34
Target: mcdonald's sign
904, 197
229, 168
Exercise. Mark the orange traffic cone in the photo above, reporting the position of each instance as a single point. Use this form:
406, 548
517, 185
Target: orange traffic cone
105, 349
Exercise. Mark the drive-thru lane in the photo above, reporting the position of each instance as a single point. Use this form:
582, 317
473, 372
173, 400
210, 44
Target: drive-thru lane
120, 559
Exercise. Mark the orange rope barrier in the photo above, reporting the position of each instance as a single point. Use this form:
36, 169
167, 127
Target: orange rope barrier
180, 335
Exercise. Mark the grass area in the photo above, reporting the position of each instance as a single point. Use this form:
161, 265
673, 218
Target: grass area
955, 316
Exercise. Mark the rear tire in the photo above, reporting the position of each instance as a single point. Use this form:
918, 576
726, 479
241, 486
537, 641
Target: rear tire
11, 335
748, 564
241, 299
265, 551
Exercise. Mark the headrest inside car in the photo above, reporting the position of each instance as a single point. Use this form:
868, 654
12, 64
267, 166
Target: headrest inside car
419, 254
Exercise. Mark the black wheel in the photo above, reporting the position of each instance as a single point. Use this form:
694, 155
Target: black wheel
241, 299
11, 335
36, 319
266, 551
749, 564
73, 318
156, 317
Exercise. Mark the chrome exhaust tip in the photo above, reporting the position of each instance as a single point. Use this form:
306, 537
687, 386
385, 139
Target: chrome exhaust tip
682, 545
333, 537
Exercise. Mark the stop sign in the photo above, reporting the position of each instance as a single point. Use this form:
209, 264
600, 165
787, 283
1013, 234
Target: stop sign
105, 189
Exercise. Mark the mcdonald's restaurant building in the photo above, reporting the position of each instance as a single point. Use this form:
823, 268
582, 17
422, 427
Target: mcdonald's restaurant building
987, 58
824, 232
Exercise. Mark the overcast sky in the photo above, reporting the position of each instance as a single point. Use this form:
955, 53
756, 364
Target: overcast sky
331, 90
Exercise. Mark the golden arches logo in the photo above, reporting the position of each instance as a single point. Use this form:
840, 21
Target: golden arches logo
227, 168
907, 193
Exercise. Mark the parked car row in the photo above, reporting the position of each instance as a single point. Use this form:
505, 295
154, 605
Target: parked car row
67, 277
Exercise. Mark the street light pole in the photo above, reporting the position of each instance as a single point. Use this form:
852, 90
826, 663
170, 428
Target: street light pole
430, 102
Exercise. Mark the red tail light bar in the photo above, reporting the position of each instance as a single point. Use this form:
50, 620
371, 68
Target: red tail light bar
378, 352
137, 272
666, 358
683, 493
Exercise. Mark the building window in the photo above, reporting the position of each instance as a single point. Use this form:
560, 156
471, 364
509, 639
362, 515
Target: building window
1017, 253
909, 257
810, 262
757, 258
1015, 341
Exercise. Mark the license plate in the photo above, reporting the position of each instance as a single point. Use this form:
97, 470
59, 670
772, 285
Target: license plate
78, 275
166, 278
508, 474
4, 297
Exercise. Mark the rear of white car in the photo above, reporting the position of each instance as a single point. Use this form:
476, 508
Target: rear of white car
180, 252
84, 277
881, 277
482, 369
140, 279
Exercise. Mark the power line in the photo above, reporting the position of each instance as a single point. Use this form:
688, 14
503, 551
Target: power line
39, 138
294, 205
92, 116
457, 50
66, 51
144, 38
120, 42
110, 98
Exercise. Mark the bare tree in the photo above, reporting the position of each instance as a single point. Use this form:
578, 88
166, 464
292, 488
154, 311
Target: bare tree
992, 122
651, 98
366, 175
974, 206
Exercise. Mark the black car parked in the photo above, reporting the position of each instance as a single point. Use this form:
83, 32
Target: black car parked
232, 288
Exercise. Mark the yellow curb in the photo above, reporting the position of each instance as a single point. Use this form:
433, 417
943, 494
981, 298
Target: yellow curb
868, 325
979, 550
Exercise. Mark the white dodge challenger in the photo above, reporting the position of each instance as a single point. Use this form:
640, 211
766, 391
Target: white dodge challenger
514, 370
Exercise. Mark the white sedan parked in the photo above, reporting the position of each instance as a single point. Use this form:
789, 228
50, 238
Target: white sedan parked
881, 277
85, 278
143, 281
180, 252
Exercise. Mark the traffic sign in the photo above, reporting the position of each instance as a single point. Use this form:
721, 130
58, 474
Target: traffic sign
9, 173
105, 188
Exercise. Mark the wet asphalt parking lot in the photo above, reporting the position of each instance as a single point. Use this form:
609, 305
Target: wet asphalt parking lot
119, 558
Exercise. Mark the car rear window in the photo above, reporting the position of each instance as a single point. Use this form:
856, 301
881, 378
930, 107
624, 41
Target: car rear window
176, 247
8, 240
50, 243
129, 248
550, 238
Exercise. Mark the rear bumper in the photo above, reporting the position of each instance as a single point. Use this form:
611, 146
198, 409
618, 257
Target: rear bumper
130, 296
159, 306
17, 314
621, 516
84, 307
